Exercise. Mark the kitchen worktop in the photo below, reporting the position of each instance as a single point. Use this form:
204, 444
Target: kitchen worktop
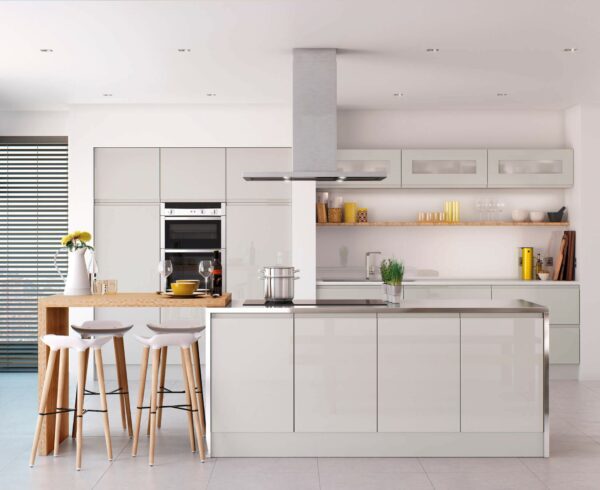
131, 300
446, 282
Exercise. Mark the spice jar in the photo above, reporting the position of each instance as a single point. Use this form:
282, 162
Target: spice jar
362, 215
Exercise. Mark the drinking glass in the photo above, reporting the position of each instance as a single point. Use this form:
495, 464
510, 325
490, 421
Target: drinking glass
165, 269
500, 209
491, 207
480, 206
206, 268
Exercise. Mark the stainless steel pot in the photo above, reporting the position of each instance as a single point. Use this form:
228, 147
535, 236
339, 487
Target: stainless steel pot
279, 283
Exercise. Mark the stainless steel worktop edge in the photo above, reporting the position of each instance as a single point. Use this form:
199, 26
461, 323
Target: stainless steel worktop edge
451, 282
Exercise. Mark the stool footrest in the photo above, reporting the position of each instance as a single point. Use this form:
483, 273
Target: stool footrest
116, 391
58, 410
166, 391
183, 406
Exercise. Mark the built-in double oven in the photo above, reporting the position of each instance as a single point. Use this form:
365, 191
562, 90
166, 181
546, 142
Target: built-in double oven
190, 233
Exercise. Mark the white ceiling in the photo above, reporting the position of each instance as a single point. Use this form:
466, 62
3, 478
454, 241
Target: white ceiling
241, 50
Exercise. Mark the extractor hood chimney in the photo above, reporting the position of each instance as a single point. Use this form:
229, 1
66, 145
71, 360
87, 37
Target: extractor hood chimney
314, 123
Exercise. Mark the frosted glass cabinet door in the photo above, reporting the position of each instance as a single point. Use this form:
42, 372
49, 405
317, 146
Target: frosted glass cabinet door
502, 373
444, 168
192, 174
419, 373
335, 373
530, 168
240, 160
368, 161
252, 373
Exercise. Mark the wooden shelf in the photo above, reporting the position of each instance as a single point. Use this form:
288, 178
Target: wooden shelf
544, 224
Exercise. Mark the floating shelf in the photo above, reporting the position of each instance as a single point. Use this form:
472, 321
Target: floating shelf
544, 224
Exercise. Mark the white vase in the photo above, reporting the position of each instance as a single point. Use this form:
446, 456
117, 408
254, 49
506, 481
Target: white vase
78, 279
394, 293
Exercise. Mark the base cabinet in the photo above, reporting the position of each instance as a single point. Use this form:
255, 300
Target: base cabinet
418, 373
502, 368
335, 373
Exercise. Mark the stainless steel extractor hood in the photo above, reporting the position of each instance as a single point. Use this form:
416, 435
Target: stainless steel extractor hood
314, 123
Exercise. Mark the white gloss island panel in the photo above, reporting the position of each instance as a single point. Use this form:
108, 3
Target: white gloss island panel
335, 362
418, 373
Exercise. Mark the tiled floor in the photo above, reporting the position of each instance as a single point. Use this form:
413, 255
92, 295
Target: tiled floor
575, 461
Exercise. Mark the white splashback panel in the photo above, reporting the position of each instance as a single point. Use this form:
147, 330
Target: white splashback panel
454, 252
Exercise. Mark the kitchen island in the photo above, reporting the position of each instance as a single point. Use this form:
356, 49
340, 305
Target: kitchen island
422, 378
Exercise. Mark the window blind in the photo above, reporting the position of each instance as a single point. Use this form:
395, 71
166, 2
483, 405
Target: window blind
33, 218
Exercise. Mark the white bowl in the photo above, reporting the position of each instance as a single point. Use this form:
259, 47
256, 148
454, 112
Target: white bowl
537, 216
520, 215
544, 275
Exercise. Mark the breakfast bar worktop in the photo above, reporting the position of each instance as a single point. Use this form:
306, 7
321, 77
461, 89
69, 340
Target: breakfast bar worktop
421, 378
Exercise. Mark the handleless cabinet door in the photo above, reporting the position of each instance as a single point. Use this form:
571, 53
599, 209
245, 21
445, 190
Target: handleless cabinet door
252, 377
419, 373
387, 161
240, 160
447, 292
530, 168
192, 174
133, 266
335, 373
126, 174
502, 373
444, 168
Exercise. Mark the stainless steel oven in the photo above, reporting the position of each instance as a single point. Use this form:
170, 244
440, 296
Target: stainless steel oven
191, 232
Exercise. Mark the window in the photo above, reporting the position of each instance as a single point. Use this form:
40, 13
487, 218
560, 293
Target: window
33, 217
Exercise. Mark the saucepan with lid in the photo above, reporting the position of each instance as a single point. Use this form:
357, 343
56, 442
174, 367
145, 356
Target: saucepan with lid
279, 283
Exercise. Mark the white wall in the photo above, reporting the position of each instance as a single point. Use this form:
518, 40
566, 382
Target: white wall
33, 123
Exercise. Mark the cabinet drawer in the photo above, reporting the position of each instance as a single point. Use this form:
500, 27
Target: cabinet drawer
350, 292
447, 292
562, 301
564, 344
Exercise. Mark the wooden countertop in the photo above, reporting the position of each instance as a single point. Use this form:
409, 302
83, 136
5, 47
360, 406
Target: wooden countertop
140, 300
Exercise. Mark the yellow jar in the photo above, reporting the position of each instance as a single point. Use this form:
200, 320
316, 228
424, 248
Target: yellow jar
349, 212
527, 263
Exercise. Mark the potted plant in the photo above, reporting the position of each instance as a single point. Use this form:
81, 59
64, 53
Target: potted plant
392, 273
77, 280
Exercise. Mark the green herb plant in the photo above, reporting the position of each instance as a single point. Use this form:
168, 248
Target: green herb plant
392, 272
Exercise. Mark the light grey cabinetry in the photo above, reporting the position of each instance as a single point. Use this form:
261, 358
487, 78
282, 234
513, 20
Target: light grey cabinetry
240, 160
192, 174
418, 373
132, 262
444, 168
530, 168
447, 292
350, 292
252, 373
368, 161
126, 174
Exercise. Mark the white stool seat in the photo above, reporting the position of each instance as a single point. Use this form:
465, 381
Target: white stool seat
102, 327
57, 342
176, 326
168, 340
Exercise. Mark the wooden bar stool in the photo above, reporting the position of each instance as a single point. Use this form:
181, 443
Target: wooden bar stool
114, 330
61, 343
184, 341
180, 326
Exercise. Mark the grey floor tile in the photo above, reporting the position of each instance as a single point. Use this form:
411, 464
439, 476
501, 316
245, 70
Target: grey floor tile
485, 481
376, 481
572, 481
337, 466
473, 465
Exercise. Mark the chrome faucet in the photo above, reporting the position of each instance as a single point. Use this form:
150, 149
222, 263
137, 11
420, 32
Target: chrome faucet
370, 264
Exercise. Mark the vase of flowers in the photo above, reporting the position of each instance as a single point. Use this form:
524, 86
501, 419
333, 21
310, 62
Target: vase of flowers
392, 273
78, 280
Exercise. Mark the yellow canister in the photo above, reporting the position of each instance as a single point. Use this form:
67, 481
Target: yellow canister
526, 263
349, 212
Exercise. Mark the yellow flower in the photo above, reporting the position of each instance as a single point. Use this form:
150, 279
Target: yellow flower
66, 239
85, 236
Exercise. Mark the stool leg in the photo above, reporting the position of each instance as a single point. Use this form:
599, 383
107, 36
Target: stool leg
161, 384
103, 404
42, 407
188, 401
140, 400
148, 426
79, 413
62, 372
125, 383
185, 353
120, 381
74, 430
155, 362
198, 374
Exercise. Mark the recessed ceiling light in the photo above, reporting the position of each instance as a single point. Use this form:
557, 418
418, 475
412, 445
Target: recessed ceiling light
433, 50
570, 50
47, 50
210, 94
398, 94
107, 95
502, 94
184, 50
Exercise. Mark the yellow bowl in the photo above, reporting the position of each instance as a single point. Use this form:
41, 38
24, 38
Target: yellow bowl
183, 288
195, 282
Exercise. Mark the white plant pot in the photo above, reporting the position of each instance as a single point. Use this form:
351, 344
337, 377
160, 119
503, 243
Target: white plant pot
393, 293
78, 279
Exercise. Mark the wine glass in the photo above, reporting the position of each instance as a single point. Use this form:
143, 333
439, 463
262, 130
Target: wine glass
500, 208
206, 268
480, 206
165, 269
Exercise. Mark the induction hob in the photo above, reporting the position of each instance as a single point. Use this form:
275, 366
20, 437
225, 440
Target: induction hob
316, 302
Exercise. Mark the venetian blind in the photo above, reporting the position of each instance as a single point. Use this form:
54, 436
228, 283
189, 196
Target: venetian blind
33, 217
